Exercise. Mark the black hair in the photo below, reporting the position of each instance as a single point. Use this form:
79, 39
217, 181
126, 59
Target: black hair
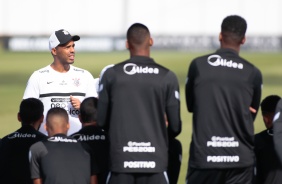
88, 110
31, 110
234, 28
137, 34
269, 103
58, 111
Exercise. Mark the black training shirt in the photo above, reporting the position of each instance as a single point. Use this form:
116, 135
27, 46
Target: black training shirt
14, 164
134, 97
220, 89
268, 166
98, 141
60, 159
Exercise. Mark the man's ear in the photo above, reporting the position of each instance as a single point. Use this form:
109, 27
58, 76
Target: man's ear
41, 118
151, 42
54, 51
45, 127
243, 40
19, 117
220, 37
127, 44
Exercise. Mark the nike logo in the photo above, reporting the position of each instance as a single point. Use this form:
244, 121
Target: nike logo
50, 82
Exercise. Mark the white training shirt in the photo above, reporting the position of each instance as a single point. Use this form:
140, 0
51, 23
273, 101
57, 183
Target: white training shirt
54, 89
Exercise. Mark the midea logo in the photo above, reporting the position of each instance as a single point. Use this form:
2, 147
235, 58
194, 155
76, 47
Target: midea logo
131, 69
216, 60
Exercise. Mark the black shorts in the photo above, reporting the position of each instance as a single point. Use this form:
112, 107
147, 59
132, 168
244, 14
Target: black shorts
174, 160
137, 178
220, 176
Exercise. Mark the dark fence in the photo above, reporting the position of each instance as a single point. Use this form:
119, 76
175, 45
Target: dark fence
107, 44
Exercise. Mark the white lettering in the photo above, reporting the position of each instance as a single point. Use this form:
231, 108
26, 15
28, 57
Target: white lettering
223, 158
217, 141
216, 60
138, 149
89, 137
130, 143
21, 135
131, 69
61, 139
222, 144
139, 164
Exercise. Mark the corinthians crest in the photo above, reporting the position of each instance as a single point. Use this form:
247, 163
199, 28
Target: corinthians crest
76, 81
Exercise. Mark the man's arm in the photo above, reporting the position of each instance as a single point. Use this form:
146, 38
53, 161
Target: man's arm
104, 101
257, 93
38, 181
189, 86
173, 106
93, 179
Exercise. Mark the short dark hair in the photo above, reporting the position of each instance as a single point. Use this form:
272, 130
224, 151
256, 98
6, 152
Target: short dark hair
88, 110
137, 34
31, 110
58, 111
234, 28
269, 103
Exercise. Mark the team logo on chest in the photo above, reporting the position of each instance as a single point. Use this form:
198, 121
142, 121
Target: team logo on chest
76, 81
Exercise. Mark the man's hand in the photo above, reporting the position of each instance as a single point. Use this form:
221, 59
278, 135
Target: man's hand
252, 110
75, 102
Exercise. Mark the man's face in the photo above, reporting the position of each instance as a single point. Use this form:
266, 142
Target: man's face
267, 118
66, 53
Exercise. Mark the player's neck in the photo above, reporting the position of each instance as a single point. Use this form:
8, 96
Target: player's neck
140, 52
228, 46
93, 123
62, 68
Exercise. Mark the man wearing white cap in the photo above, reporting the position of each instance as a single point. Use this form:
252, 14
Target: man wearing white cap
61, 84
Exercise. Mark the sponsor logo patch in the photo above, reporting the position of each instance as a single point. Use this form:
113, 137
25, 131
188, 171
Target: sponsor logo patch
222, 142
131, 69
139, 147
217, 60
61, 139
139, 164
21, 135
81, 137
76, 82
223, 158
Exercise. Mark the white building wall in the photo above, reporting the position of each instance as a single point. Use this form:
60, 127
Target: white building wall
113, 17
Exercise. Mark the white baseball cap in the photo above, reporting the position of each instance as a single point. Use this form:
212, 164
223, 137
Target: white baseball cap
61, 37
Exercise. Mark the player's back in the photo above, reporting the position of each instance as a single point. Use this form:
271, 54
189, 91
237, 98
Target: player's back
14, 163
61, 160
224, 87
139, 90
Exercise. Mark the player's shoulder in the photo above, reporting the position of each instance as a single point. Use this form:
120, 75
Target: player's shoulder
77, 69
40, 135
37, 146
44, 70
80, 71
10, 135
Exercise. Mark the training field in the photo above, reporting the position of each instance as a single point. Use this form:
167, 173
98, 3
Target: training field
17, 67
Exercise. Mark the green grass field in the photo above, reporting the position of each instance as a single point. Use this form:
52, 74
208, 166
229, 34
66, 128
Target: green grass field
17, 67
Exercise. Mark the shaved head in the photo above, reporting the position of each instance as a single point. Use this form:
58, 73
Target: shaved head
138, 35
57, 121
233, 29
